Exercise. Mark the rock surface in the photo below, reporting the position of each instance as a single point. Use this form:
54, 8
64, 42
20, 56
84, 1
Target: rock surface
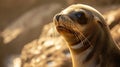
48, 51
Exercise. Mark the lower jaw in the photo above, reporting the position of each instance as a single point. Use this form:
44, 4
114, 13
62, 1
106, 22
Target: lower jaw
81, 47
79, 50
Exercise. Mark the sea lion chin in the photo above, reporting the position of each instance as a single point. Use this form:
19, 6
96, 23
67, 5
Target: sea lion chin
88, 37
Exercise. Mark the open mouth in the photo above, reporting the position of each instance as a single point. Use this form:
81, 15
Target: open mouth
60, 27
64, 29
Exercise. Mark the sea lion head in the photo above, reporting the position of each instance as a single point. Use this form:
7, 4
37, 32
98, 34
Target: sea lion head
78, 23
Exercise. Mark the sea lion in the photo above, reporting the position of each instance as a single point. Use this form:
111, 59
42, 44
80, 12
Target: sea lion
88, 37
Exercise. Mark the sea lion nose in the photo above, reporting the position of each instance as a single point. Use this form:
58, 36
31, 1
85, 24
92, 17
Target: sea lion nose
57, 17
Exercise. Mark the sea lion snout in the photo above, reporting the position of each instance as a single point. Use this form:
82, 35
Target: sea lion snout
61, 18
57, 17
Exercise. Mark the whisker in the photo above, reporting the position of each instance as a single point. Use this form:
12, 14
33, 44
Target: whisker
79, 38
82, 35
74, 33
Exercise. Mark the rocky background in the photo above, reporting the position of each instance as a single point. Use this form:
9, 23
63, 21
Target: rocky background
28, 37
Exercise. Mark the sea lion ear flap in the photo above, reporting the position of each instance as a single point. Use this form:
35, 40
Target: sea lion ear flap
101, 22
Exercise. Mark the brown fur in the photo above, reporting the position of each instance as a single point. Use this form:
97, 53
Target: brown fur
84, 25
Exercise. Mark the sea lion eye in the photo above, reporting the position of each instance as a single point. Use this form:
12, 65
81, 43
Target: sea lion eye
81, 18
79, 14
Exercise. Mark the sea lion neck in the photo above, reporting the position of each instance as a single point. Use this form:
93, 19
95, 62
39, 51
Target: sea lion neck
100, 55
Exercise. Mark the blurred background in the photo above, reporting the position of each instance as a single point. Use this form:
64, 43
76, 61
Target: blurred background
26, 35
